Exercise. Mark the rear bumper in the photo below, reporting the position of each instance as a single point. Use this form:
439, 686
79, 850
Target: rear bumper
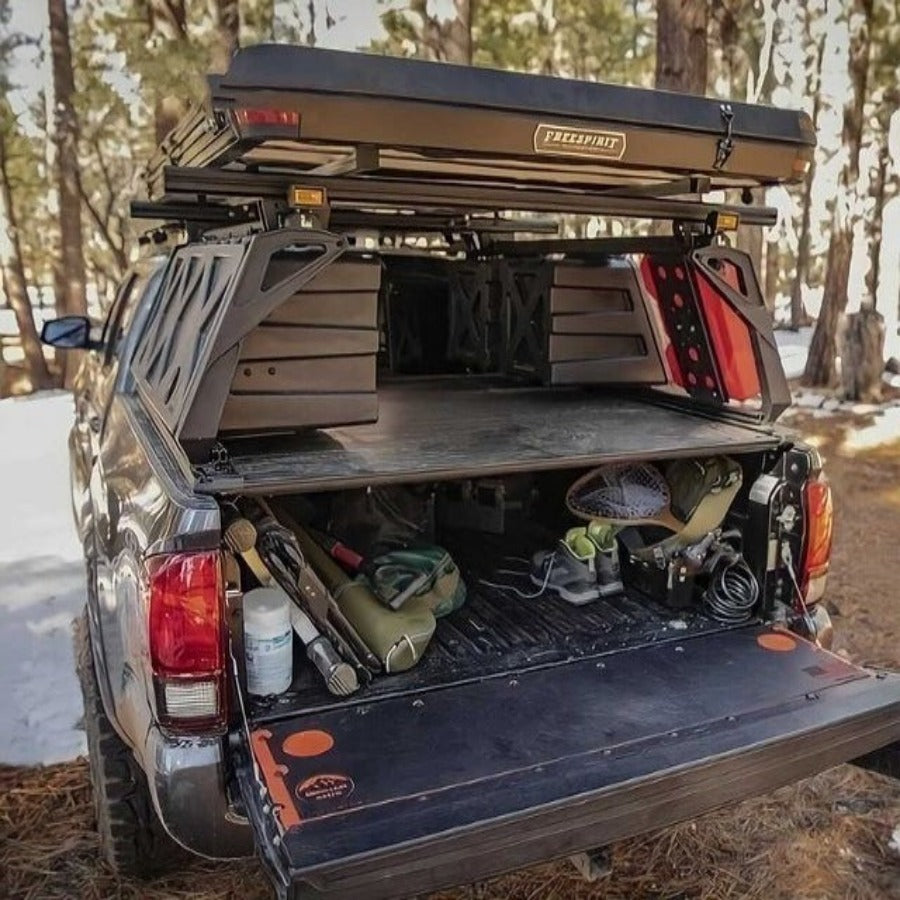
187, 784
733, 761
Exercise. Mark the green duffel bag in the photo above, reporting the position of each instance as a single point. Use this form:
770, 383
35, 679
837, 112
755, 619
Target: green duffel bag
426, 573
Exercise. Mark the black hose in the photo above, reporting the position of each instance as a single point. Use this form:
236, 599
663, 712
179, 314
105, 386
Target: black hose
733, 591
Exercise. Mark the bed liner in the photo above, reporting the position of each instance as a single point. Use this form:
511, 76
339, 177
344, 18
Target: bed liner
499, 631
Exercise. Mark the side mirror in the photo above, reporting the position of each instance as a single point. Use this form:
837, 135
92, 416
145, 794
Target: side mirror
69, 333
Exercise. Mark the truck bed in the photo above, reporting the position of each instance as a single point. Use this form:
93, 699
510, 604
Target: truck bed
499, 632
437, 429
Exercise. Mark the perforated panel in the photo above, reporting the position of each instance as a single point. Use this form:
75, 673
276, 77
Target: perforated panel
673, 288
212, 296
184, 323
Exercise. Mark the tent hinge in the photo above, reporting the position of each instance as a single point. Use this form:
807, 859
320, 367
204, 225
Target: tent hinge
725, 144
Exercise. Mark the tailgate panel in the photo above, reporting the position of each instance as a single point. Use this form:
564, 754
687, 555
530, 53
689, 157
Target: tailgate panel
405, 777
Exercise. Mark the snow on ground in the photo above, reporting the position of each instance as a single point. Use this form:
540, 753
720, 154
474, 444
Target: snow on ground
41, 583
793, 347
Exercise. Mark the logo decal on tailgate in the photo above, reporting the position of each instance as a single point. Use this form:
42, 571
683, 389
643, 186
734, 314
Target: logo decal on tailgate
563, 140
325, 788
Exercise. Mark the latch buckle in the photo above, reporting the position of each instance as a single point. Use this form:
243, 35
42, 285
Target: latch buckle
725, 144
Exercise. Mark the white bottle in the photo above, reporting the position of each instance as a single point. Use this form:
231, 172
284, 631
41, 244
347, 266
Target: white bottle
268, 641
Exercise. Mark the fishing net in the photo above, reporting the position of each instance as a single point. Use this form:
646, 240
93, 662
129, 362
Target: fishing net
621, 491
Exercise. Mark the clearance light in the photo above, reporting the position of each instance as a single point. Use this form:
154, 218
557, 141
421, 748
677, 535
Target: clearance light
250, 117
306, 197
726, 221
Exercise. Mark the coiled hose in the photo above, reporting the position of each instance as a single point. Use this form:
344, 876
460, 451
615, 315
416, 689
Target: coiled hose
733, 590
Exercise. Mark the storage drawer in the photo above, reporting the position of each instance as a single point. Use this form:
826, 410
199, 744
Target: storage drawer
571, 323
311, 363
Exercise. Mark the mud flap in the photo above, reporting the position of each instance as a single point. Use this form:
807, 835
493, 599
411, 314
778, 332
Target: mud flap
410, 793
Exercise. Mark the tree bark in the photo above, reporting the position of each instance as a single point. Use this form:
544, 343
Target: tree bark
681, 45
168, 18
449, 40
821, 366
749, 238
14, 283
862, 355
64, 125
876, 230
227, 14
772, 273
681, 56
799, 317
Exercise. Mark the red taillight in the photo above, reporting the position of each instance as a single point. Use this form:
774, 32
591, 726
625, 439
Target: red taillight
286, 118
187, 638
819, 520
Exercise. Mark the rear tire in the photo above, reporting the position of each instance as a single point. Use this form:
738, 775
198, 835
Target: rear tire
132, 839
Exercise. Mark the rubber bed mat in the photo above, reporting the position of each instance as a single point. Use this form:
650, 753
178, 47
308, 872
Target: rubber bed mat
497, 631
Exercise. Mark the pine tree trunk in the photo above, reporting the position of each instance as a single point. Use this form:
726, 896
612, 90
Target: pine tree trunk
461, 31
168, 19
681, 56
448, 40
821, 366
227, 33
862, 355
799, 316
14, 282
798, 312
772, 273
681, 46
64, 130
876, 231
750, 240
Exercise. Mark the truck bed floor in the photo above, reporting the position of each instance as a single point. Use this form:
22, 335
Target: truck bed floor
499, 632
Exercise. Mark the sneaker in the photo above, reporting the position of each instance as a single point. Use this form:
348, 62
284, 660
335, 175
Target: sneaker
569, 569
606, 559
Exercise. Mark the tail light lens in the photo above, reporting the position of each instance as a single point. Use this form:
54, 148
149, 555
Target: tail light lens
819, 520
187, 639
248, 119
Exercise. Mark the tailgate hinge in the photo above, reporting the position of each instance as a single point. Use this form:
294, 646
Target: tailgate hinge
219, 471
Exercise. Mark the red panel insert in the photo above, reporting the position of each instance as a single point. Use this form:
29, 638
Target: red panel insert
730, 338
669, 352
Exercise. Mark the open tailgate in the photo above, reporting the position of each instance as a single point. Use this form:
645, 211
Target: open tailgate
412, 792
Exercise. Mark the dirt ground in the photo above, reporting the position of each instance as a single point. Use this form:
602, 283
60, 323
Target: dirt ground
827, 837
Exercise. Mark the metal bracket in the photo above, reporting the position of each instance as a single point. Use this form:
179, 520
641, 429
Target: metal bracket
696, 185
362, 158
725, 144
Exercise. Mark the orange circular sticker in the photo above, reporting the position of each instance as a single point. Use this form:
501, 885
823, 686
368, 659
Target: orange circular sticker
776, 641
307, 743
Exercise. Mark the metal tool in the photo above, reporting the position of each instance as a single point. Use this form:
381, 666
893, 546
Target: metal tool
340, 677
289, 565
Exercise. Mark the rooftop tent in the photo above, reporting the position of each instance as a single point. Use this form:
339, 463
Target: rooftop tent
284, 108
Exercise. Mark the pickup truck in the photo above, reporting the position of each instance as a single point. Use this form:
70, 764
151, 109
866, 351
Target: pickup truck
396, 293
